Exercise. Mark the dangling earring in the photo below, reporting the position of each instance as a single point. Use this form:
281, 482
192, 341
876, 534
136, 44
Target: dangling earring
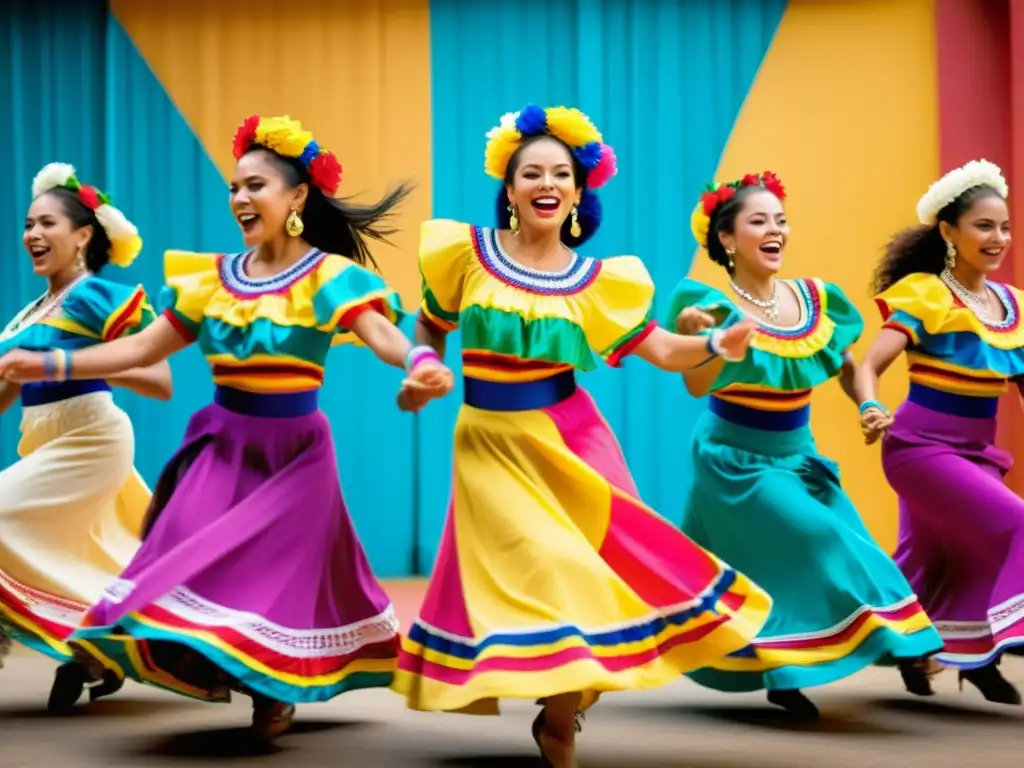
513, 219
730, 252
80, 261
575, 229
950, 255
293, 224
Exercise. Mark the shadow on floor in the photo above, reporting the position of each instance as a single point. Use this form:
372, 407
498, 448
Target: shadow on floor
230, 742
1004, 716
772, 718
532, 761
112, 708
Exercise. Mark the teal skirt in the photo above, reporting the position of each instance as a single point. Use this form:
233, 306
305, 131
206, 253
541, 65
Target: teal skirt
769, 504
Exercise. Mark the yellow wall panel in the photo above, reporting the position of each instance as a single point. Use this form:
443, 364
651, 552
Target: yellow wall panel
355, 72
845, 110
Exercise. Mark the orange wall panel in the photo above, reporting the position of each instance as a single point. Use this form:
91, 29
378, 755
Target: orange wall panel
844, 109
355, 72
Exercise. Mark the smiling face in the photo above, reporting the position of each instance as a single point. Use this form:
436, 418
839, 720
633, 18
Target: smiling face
543, 186
52, 239
981, 234
263, 196
760, 233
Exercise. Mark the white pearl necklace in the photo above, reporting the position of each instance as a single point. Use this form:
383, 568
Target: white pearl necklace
38, 309
979, 304
770, 307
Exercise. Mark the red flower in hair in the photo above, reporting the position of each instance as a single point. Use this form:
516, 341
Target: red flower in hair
89, 196
772, 184
714, 199
325, 172
245, 135
751, 180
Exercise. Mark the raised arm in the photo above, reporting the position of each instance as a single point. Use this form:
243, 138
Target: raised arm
156, 343
672, 352
154, 381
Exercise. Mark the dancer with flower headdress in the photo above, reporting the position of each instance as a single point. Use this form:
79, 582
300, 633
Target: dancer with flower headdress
553, 580
763, 498
250, 576
961, 539
71, 508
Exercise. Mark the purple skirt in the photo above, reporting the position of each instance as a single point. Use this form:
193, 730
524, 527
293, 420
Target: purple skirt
961, 539
250, 576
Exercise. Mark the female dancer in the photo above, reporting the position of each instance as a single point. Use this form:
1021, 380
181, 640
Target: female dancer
251, 576
961, 529
72, 506
554, 581
763, 498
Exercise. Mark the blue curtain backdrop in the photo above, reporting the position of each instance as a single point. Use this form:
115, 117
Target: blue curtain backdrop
663, 79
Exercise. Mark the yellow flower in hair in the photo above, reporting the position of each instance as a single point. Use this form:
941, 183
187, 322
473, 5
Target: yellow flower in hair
700, 224
123, 252
500, 148
283, 135
572, 126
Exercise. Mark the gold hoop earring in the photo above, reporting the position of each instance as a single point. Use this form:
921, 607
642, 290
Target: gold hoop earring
950, 255
575, 229
293, 224
513, 219
730, 252
80, 261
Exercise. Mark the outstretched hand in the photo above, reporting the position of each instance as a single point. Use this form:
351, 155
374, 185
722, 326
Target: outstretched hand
735, 340
21, 366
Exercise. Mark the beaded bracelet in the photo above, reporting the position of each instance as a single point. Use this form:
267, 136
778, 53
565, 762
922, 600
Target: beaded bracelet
867, 405
56, 365
419, 355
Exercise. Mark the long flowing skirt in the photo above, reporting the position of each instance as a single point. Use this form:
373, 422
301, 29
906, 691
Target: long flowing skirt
71, 510
553, 576
250, 576
770, 504
961, 539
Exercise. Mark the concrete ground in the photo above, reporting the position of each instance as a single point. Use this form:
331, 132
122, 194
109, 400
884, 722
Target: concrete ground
867, 721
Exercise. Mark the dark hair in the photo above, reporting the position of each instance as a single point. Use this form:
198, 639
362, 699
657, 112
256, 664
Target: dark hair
337, 225
588, 212
922, 248
723, 219
97, 253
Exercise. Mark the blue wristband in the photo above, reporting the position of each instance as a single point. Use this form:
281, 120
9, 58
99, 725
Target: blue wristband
869, 404
50, 366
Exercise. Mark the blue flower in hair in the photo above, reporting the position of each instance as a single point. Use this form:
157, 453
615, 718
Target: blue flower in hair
531, 120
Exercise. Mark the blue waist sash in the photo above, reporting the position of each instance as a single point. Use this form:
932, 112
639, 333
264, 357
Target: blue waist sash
47, 392
519, 395
773, 421
953, 404
269, 405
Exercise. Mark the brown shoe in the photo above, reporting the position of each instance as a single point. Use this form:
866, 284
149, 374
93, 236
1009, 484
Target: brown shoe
270, 719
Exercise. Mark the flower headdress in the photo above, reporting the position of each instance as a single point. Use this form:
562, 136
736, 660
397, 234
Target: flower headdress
125, 243
287, 138
568, 125
976, 173
715, 194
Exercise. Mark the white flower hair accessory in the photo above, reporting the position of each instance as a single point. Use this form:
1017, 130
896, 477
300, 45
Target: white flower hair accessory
125, 243
976, 173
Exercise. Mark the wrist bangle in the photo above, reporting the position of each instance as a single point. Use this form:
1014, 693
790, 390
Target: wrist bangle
49, 366
715, 346
867, 405
419, 355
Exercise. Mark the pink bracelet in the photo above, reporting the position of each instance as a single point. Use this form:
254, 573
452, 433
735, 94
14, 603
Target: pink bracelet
419, 355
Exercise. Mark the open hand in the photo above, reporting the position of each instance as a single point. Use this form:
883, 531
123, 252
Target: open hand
20, 366
873, 424
734, 340
692, 321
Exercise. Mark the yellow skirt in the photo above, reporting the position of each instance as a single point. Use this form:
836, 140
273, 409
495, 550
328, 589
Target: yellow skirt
553, 576
70, 518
